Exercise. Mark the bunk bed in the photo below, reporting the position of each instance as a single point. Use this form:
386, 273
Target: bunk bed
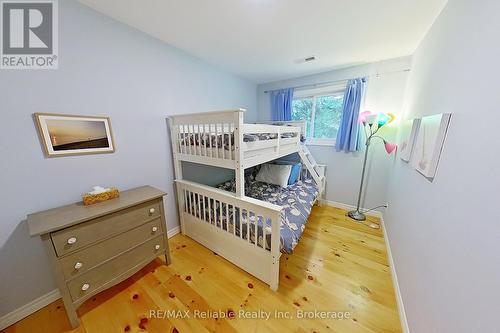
245, 221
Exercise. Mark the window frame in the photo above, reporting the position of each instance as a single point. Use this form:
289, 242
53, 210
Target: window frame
315, 93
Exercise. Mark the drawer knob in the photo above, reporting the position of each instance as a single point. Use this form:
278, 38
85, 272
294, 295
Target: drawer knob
157, 246
78, 265
151, 211
85, 286
154, 229
71, 240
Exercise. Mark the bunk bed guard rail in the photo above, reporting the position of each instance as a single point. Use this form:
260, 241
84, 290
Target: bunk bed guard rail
207, 137
222, 139
245, 230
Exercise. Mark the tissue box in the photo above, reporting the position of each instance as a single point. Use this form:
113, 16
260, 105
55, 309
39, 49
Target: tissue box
90, 199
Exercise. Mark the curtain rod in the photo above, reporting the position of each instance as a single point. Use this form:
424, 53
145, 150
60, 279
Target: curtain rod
315, 85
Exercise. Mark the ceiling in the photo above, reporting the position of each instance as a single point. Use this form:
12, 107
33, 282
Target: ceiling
264, 40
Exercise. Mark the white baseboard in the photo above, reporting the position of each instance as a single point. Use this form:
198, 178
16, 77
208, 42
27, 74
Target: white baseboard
375, 213
27, 309
44, 300
174, 231
399, 298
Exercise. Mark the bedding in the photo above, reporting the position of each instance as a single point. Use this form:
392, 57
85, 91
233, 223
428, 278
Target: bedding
223, 140
297, 201
280, 123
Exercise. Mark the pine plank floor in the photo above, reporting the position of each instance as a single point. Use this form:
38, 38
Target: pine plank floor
339, 266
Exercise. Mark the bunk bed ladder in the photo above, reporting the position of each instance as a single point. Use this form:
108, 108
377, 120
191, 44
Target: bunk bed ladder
316, 170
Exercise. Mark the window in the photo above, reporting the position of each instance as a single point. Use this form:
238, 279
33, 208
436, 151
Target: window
322, 111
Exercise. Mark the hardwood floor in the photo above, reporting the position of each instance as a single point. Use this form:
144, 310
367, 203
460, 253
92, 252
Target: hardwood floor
339, 266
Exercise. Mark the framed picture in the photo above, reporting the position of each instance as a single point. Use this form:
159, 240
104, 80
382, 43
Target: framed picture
409, 130
429, 143
63, 135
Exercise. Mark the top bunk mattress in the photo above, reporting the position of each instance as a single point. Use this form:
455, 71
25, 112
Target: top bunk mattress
226, 140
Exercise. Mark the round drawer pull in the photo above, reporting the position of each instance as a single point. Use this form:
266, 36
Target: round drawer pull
157, 246
85, 286
78, 265
154, 229
151, 211
71, 240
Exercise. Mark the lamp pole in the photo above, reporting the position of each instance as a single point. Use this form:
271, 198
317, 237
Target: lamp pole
382, 120
357, 214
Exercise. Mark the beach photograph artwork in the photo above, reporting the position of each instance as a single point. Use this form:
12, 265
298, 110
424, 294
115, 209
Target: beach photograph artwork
70, 135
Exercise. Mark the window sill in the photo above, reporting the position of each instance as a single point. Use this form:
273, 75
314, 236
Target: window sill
320, 142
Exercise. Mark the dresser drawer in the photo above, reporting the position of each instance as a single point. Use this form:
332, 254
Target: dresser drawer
75, 237
99, 276
82, 260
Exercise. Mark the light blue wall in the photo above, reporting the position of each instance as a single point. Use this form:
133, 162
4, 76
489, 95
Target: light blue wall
106, 68
384, 94
445, 234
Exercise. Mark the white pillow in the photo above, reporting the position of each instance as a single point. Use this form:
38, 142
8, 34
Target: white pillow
274, 174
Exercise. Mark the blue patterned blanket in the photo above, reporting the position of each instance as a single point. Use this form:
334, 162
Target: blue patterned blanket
297, 201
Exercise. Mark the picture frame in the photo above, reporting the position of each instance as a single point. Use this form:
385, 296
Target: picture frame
429, 144
409, 130
69, 135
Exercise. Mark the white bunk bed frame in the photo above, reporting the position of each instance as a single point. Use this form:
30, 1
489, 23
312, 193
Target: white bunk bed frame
193, 198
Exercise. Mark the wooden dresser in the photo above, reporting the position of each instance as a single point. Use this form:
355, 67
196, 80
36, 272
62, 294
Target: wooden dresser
92, 248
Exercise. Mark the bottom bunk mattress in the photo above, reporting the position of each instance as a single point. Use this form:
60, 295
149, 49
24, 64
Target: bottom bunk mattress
297, 201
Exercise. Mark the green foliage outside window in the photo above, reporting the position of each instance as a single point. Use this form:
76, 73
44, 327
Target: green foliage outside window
301, 110
325, 116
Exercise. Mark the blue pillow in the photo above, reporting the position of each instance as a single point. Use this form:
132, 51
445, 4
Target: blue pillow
294, 173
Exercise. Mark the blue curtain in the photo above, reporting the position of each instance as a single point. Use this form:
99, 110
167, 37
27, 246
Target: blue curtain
348, 136
281, 104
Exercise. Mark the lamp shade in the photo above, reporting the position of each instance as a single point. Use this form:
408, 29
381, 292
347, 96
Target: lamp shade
370, 119
363, 116
391, 117
389, 147
383, 119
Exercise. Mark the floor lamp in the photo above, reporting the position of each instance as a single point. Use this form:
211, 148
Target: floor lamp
374, 123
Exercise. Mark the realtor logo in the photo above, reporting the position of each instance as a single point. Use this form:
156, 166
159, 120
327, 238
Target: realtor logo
29, 34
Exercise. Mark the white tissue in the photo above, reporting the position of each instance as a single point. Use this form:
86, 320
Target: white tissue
98, 189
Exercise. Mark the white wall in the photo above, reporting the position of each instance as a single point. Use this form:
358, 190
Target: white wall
106, 68
384, 94
445, 234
